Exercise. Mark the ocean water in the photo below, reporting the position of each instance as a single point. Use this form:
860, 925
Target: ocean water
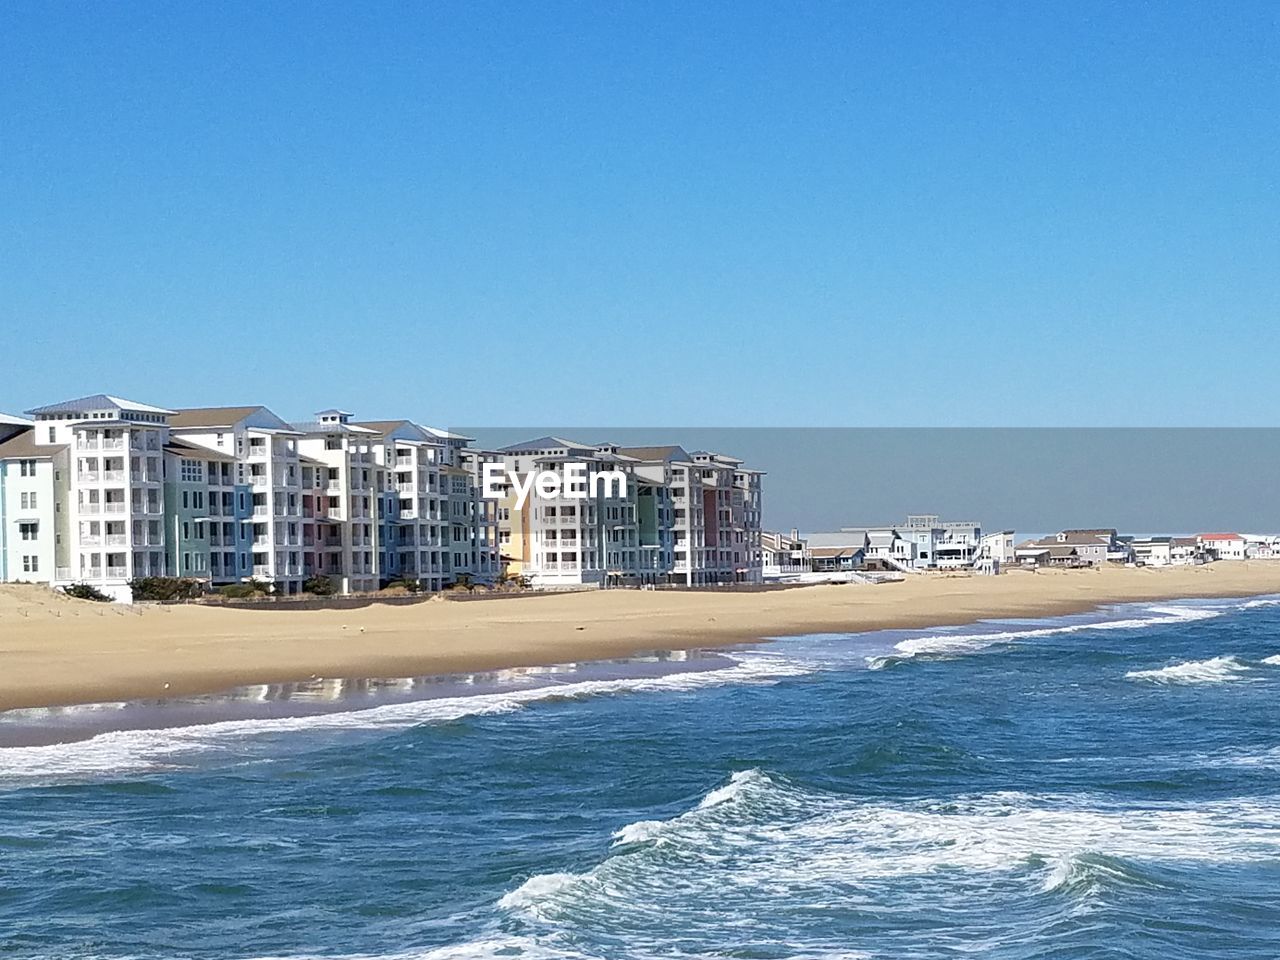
1093, 786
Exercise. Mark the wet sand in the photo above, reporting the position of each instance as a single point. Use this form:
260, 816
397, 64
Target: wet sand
54, 650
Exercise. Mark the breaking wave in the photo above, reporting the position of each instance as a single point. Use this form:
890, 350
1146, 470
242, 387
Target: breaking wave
949, 644
1213, 670
758, 841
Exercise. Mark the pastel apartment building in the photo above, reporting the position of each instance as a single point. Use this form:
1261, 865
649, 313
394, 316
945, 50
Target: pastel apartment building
103, 490
682, 518
254, 510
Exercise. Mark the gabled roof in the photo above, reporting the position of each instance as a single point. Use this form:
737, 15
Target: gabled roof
315, 426
416, 433
224, 417
445, 434
97, 401
845, 539
194, 452
22, 446
827, 553
1082, 537
665, 454
1221, 536
14, 421
546, 443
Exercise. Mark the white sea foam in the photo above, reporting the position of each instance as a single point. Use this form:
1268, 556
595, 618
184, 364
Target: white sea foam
489, 946
768, 843
499, 946
1214, 670
142, 751
943, 644
1273, 661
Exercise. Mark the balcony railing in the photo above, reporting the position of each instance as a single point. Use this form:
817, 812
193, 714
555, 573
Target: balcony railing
113, 476
117, 573
115, 507
88, 477
109, 444
90, 508
91, 573
117, 540
91, 540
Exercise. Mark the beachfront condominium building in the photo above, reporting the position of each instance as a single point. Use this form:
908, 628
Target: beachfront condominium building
588, 536
413, 503
678, 518
254, 517
92, 480
731, 510
207, 523
343, 472
482, 562
28, 522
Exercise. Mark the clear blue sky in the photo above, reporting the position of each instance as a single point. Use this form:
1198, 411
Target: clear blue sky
646, 213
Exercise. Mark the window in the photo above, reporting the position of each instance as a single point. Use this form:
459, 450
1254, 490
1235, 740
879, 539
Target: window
53, 435
28, 531
30, 564
28, 501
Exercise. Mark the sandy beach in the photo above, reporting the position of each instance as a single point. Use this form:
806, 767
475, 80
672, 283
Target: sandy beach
54, 650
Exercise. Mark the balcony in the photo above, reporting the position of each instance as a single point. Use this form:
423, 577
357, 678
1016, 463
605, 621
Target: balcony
91, 540
259, 480
117, 573
117, 540
116, 444
91, 573
261, 570
90, 508
115, 507
114, 476
88, 477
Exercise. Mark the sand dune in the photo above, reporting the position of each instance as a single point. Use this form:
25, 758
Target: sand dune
54, 650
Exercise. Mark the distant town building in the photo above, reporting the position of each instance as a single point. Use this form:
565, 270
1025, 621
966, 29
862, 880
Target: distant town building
1223, 546
784, 555
1076, 548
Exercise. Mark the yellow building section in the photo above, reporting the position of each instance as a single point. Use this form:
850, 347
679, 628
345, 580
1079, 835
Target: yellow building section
517, 552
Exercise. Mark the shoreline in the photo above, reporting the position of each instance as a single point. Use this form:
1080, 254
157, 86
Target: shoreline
59, 652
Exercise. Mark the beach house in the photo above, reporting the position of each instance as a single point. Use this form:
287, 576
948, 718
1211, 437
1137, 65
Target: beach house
784, 554
1223, 546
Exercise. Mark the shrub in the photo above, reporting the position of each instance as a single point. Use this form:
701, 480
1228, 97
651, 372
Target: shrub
318, 586
85, 591
408, 586
242, 591
165, 588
